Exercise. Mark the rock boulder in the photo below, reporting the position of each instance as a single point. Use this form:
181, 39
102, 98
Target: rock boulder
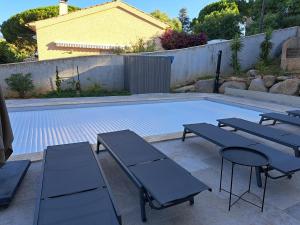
188, 88
282, 78
205, 86
269, 80
258, 85
287, 87
232, 84
253, 73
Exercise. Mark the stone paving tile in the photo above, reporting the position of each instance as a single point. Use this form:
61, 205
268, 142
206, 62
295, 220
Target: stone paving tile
294, 211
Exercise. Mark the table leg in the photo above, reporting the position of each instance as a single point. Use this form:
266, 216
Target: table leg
264, 194
231, 182
221, 177
258, 176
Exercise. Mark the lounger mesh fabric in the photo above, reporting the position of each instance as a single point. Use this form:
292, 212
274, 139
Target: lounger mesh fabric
11, 176
281, 118
130, 148
73, 189
159, 180
158, 177
276, 135
280, 161
70, 169
218, 136
293, 112
85, 208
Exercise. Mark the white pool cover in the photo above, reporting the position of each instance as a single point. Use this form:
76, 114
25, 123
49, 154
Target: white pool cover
35, 130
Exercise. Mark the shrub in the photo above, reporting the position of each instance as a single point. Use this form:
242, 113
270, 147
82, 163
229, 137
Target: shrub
20, 83
9, 53
139, 46
266, 47
175, 40
143, 46
236, 46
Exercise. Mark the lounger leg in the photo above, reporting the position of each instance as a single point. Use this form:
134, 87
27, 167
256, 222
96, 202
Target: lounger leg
183, 135
221, 176
274, 122
258, 176
297, 152
98, 147
261, 120
142, 205
192, 201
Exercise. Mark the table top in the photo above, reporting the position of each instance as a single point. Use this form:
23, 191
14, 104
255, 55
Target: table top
245, 156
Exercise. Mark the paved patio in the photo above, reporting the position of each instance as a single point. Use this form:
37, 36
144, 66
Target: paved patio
211, 208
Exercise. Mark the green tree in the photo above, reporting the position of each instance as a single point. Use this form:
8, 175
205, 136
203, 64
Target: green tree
174, 23
185, 20
277, 14
16, 32
9, 53
219, 20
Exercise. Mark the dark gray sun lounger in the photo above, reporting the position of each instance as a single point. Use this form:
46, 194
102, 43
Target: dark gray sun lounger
269, 133
74, 190
278, 117
11, 176
295, 113
280, 161
161, 182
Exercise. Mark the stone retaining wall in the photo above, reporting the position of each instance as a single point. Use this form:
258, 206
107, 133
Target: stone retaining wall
106, 70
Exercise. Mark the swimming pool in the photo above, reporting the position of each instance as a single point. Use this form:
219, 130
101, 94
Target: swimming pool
37, 129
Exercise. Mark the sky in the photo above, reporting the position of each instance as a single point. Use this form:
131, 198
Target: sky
9, 8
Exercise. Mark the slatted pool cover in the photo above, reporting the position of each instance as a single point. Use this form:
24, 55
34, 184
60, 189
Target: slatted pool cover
35, 130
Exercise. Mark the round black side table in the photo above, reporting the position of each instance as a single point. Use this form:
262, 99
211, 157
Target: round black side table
244, 157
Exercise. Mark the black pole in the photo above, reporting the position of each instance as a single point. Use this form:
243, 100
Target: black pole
216, 87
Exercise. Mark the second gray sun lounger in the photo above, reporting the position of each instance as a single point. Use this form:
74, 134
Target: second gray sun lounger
295, 113
269, 133
278, 117
280, 161
73, 189
161, 182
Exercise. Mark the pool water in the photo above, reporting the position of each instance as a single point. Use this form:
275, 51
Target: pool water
35, 130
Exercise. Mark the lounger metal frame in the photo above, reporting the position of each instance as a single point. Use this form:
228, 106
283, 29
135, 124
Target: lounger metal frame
258, 170
145, 197
295, 113
265, 117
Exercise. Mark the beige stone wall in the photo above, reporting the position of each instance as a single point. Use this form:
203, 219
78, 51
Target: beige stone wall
288, 63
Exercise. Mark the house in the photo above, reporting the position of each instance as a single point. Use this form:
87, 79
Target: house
95, 30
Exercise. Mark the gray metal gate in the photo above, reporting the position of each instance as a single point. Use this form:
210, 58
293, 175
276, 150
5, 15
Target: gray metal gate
147, 74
